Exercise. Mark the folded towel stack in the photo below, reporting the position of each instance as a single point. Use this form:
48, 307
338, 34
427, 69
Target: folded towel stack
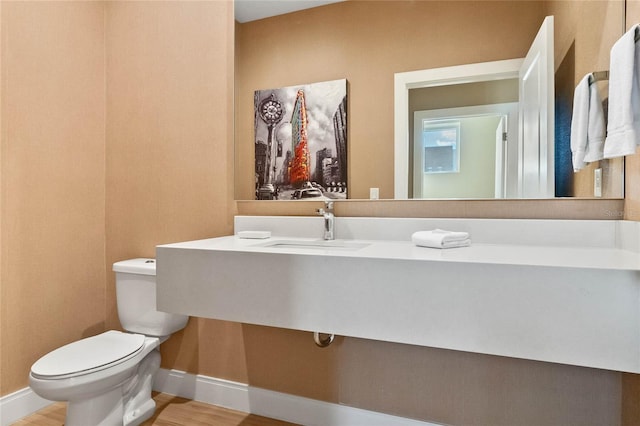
623, 129
587, 125
439, 238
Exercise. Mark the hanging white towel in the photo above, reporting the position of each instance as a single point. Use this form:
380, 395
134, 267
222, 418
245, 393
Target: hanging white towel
623, 128
587, 124
439, 238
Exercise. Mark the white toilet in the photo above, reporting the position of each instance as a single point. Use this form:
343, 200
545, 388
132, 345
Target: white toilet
107, 378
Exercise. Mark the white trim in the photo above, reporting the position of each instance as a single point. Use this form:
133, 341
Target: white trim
484, 71
20, 404
233, 395
276, 405
223, 393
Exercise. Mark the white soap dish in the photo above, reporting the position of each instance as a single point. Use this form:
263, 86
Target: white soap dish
255, 235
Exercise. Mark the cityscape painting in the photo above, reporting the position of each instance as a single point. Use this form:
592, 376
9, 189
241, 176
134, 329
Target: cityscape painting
301, 142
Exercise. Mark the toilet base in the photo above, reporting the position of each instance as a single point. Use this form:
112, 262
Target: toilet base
103, 410
142, 413
139, 406
129, 404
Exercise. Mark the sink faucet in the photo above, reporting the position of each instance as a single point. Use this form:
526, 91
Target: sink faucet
327, 214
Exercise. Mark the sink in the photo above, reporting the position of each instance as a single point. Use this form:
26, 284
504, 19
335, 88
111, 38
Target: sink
314, 245
554, 291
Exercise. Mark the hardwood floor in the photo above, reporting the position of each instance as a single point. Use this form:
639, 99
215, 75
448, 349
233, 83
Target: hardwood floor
170, 411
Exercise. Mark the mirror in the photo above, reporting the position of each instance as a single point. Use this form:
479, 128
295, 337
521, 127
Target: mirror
368, 42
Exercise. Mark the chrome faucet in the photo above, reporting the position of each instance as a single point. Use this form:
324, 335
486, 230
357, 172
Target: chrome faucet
327, 214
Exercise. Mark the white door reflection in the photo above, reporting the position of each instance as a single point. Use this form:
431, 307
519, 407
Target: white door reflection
465, 152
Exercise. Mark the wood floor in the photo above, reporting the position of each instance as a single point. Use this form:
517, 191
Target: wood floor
170, 411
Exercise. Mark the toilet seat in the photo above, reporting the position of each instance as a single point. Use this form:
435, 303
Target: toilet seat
88, 355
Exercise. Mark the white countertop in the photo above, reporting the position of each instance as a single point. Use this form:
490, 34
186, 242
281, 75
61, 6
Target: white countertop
499, 254
553, 291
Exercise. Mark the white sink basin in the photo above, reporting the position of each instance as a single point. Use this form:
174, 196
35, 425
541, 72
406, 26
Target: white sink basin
314, 244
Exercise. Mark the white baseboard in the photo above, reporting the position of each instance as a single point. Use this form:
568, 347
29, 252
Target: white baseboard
223, 393
237, 396
20, 404
276, 405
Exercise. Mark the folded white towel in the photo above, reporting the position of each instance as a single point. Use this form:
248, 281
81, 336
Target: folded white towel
439, 238
623, 128
587, 124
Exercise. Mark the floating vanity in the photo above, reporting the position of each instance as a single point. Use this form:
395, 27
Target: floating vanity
548, 290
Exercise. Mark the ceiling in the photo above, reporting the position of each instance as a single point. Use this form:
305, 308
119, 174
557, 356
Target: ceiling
252, 10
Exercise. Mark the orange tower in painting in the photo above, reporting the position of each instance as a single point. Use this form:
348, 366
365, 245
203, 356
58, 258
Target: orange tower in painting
300, 165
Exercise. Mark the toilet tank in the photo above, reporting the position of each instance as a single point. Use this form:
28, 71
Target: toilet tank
136, 299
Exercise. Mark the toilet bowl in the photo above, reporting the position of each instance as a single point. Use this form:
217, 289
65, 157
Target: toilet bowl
107, 379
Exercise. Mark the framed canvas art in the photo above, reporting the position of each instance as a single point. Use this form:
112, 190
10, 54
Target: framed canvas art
301, 142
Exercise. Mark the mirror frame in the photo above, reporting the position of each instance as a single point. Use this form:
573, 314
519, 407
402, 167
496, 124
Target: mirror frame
405, 81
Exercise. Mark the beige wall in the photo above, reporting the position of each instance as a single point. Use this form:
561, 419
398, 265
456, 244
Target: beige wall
169, 138
462, 95
116, 136
436, 385
53, 180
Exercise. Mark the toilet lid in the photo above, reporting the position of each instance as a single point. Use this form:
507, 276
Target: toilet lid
88, 355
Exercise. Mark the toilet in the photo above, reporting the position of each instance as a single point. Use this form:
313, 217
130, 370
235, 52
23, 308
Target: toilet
107, 379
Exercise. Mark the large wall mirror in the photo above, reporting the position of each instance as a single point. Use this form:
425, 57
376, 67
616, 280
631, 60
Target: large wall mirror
370, 43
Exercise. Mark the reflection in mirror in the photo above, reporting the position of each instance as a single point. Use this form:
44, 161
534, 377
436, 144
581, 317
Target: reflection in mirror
371, 41
517, 163
485, 98
458, 149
